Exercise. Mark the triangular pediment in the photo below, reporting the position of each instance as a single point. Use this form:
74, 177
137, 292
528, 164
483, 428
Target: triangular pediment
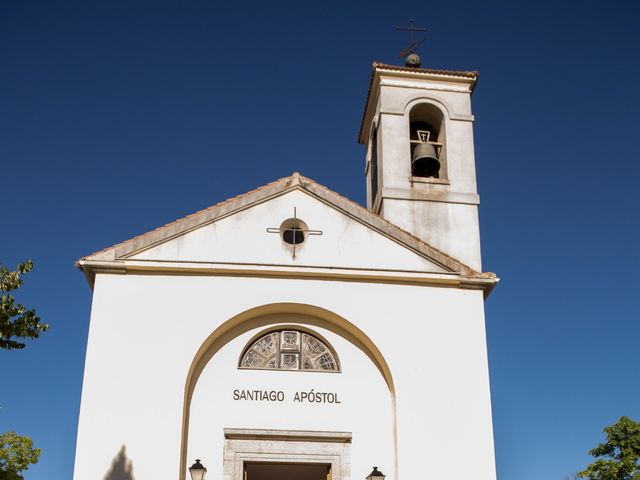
237, 232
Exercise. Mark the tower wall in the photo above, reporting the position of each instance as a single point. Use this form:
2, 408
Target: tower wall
442, 211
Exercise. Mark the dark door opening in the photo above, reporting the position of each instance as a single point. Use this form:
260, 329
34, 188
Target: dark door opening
287, 471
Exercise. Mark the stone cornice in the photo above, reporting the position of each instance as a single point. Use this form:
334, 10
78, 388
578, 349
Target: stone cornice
443, 80
485, 281
432, 196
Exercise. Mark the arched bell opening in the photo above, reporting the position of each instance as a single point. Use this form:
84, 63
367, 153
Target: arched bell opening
426, 136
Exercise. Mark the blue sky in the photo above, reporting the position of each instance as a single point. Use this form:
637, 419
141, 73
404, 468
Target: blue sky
117, 117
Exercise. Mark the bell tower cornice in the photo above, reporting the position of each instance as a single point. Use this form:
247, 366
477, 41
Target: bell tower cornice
409, 77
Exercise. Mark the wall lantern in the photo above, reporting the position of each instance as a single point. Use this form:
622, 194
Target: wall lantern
197, 471
375, 475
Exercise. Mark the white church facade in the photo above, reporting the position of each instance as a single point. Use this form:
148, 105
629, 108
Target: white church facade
289, 333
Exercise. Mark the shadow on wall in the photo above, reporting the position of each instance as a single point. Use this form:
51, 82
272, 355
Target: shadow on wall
121, 467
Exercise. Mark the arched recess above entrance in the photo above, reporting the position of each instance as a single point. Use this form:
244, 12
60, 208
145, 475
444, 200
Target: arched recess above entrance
265, 316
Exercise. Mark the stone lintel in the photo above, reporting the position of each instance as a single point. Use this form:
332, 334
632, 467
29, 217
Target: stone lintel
287, 435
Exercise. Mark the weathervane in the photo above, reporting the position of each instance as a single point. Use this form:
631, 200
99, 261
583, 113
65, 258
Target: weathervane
412, 59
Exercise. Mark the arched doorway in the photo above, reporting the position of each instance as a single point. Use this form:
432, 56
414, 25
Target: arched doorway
231, 334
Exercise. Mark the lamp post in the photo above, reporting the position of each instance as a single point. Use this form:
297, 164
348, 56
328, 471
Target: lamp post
375, 475
197, 471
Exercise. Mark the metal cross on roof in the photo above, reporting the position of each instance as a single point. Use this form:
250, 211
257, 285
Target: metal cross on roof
413, 45
294, 228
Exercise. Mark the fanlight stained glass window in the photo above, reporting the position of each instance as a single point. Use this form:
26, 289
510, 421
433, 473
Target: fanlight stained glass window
290, 350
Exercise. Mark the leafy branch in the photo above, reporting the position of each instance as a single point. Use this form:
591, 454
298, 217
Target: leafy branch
16, 321
16, 454
619, 455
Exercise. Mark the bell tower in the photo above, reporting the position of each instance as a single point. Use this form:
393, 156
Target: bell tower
420, 167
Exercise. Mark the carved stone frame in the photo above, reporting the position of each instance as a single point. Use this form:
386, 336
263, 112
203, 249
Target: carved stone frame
286, 446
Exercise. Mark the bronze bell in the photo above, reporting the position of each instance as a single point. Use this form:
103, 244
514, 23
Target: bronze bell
425, 161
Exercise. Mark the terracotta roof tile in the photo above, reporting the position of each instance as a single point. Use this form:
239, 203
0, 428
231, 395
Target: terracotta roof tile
448, 73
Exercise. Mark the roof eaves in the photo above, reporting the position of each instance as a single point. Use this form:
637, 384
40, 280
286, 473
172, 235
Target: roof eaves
470, 74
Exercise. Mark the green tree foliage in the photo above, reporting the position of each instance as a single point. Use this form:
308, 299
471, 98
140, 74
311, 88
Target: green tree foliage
620, 453
16, 322
16, 454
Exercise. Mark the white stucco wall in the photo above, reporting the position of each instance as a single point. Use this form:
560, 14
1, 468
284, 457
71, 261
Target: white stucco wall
146, 329
435, 221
